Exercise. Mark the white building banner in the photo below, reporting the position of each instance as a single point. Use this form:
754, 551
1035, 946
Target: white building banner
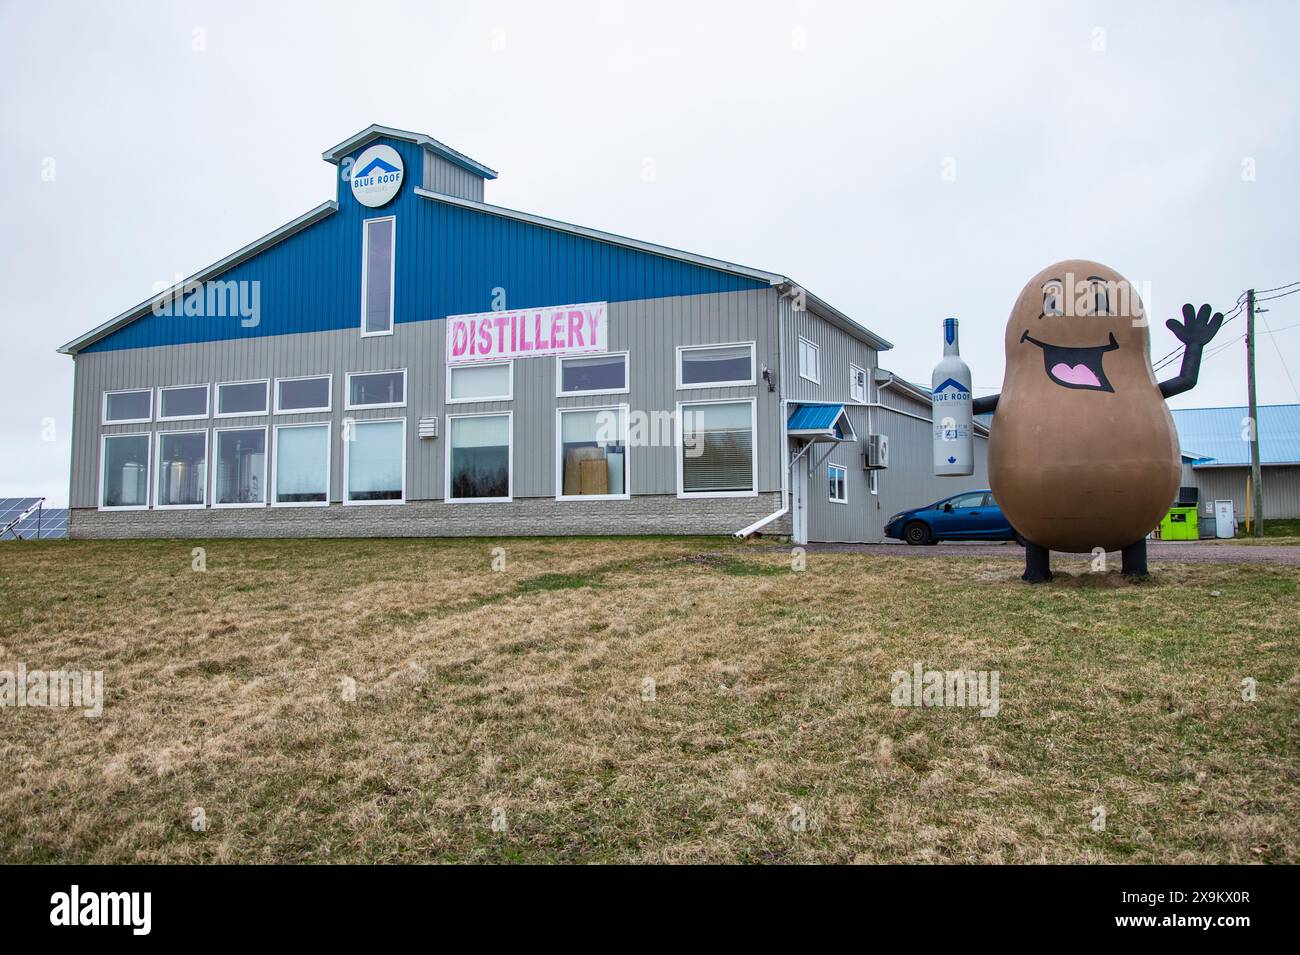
528, 333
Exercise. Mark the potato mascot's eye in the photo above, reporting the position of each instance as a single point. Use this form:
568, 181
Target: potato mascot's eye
1053, 297
1100, 296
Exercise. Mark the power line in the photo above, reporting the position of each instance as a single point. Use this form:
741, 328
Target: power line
1278, 349
1264, 291
1221, 347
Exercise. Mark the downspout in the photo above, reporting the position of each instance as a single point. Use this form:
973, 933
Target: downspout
786, 462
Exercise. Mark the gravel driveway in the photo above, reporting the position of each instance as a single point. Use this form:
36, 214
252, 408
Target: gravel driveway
1191, 552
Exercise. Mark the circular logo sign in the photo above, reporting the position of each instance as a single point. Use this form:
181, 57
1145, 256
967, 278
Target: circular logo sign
376, 176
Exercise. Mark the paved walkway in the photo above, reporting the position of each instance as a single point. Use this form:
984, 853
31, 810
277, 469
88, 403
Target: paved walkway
1191, 552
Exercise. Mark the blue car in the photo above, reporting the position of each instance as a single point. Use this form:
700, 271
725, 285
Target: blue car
970, 516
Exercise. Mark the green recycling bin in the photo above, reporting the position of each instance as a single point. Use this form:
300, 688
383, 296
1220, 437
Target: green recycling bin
1180, 524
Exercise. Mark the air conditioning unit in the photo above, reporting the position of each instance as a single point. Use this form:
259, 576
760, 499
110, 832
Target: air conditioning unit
877, 455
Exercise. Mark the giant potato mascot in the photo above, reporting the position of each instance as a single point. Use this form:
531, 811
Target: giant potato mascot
1082, 451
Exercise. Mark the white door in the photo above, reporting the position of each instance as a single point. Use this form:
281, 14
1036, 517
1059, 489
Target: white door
1225, 520
799, 519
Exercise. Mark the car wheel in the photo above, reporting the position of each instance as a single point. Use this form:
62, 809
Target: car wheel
917, 533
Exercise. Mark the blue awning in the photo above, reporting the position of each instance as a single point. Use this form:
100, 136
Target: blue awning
820, 422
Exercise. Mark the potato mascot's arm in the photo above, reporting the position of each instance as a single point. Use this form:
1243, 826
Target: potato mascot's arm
1195, 332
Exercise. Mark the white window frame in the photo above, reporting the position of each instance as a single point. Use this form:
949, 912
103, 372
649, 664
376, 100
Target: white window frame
347, 389
365, 276
817, 356
347, 454
510, 386
510, 460
853, 374
266, 456
157, 483
207, 412
329, 398
216, 399
680, 448
148, 469
844, 479
275, 463
627, 453
559, 375
103, 414
753, 361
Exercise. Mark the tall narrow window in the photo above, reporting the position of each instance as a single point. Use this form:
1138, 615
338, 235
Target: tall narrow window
478, 461
717, 454
124, 474
182, 479
302, 465
374, 462
239, 467
809, 361
377, 273
592, 453
857, 384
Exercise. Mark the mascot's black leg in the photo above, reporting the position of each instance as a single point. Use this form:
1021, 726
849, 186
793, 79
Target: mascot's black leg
1135, 559
1038, 564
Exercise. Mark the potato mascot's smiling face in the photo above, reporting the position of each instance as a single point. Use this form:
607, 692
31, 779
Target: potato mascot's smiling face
1081, 326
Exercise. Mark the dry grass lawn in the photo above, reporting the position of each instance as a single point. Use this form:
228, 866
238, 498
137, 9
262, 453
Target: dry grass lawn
518, 695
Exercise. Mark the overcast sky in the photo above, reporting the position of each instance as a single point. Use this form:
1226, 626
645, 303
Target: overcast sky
903, 161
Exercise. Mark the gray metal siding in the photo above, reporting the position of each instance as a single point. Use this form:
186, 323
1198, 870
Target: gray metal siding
838, 350
443, 176
649, 329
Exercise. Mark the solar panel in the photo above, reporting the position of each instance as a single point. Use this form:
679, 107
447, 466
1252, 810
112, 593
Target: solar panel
51, 525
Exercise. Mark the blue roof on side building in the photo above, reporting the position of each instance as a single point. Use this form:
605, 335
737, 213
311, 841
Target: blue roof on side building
1214, 435
808, 417
813, 417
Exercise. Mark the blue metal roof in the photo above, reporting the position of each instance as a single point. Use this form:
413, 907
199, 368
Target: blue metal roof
1215, 435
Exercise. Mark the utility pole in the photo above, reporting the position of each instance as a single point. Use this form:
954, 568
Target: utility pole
1256, 489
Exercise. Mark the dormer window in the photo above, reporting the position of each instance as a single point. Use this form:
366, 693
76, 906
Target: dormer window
378, 264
